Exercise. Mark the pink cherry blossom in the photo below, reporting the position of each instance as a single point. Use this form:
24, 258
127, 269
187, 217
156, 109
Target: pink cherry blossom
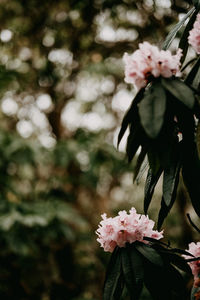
194, 249
147, 62
194, 35
125, 228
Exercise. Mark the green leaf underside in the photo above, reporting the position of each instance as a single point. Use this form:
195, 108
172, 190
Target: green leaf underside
175, 30
113, 283
180, 91
152, 109
150, 184
130, 115
133, 142
150, 254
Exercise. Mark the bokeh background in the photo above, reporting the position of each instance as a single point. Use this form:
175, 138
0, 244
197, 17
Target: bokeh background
62, 99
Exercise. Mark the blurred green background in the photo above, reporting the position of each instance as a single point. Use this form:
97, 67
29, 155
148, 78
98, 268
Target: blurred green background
62, 101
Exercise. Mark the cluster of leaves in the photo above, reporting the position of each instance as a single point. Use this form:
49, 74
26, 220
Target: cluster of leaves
154, 265
162, 120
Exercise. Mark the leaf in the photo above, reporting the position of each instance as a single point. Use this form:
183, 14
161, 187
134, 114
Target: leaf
150, 184
129, 116
164, 283
139, 162
134, 141
176, 260
192, 223
133, 285
175, 30
193, 72
183, 44
152, 109
113, 283
150, 254
170, 182
191, 175
180, 91
138, 268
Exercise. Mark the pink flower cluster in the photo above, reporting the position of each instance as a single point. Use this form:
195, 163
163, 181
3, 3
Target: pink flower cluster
125, 228
194, 35
147, 62
194, 249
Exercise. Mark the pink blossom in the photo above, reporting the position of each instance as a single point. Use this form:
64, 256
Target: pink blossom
194, 35
147, 62
125, 228
194, 249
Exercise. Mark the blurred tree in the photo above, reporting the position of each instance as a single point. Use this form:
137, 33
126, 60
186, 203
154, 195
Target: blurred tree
62, 99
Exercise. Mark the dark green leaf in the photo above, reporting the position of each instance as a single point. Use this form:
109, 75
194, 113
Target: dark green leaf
130, 115
192, 223
139, 162
176, 260
129, 276
192, 74
191, 175
138, 268
150, 254
152, 109
170, 182
183, 44
150, 184
134, 141
174, 31
180, 91
113, 283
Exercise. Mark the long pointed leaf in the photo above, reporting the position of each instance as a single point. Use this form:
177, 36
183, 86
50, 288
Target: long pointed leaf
183, 44
130, 115
113, 277
150, 184
175, 30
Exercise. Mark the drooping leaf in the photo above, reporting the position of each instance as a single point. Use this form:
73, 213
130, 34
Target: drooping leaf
180, 91
152, 109
113, 285
150, 254
138, 269
170, 184
191, 175
192, 223
139, 162
134, 141
183, 44
177, 260
164, 283
150, 184
128, 274
170, 181
130, 115
193, 72
175, 30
